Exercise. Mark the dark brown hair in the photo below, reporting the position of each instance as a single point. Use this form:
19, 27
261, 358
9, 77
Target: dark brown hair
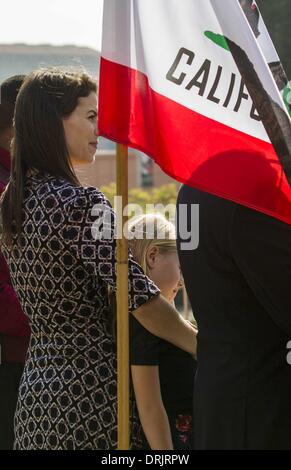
45, 98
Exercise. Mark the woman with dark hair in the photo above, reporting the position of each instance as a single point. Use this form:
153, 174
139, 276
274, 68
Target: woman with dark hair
61, 268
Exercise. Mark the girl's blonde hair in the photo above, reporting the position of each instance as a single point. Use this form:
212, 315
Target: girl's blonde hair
148, 230
144, 232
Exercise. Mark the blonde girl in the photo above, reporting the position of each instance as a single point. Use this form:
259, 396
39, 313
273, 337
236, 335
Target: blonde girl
162, 374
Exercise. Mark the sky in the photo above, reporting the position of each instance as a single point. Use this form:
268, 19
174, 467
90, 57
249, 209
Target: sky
56, 22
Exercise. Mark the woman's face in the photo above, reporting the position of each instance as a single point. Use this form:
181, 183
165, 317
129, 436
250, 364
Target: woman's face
165, 272
81, 131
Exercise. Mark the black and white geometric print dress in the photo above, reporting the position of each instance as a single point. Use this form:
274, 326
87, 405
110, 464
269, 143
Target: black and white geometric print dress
68, 392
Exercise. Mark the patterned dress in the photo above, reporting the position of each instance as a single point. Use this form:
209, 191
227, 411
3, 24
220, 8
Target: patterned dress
61, 274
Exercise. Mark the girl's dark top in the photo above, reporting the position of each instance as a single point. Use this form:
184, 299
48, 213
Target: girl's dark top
176, 372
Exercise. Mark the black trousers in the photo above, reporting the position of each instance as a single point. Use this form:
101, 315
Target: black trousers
10, 375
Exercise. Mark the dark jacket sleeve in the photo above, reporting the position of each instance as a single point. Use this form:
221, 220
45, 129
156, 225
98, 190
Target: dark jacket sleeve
261, 247
13, 322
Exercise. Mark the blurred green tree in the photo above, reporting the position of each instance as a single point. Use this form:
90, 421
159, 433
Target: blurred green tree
276, 15
165, 195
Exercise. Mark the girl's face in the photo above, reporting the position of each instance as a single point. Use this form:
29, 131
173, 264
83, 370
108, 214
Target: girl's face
81, 131
165, 272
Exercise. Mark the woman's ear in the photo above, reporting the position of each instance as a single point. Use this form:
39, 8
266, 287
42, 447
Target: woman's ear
152, 256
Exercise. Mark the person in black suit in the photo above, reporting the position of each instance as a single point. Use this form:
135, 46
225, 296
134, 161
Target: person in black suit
239, 284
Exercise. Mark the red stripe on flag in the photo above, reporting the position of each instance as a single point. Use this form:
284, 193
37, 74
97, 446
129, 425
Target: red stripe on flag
190, 147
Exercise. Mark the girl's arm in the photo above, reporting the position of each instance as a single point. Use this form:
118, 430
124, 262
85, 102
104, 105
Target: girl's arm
150, 406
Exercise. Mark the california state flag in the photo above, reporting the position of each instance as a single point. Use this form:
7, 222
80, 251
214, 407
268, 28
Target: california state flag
186, 82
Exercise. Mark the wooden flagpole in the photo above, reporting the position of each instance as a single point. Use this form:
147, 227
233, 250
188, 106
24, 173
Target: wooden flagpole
122, 303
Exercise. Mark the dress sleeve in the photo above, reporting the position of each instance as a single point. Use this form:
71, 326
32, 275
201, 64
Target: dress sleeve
261, 247
91, 231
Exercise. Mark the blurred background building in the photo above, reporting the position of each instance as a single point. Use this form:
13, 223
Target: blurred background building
20, 58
